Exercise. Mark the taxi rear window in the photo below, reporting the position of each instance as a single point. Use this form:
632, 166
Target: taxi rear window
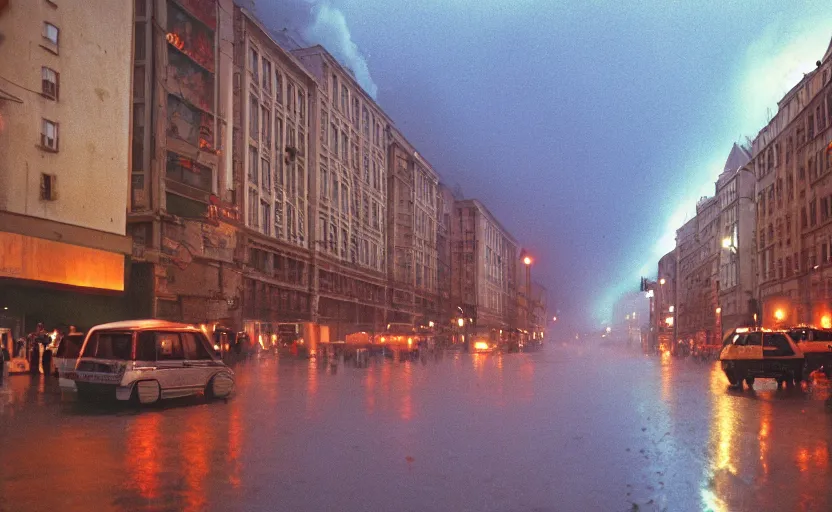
110, 345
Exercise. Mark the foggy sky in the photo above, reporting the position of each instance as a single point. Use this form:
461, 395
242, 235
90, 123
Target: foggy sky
588, 128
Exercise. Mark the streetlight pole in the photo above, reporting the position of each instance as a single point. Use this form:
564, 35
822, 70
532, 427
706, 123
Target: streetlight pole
528, 262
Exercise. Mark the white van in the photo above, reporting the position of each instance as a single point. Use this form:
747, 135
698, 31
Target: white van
148, 360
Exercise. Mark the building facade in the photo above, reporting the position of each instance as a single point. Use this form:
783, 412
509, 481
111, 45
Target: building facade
348, 189
484, 263
737, 216
663, 305
275, 152
64, 133
791, 159
414, 207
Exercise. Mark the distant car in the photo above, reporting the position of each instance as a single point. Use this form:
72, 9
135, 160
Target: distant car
66, 355
816, 345
748, 354
149, 360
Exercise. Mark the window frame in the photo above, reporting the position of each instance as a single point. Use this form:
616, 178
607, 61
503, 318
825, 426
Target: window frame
46, 26
55, 83
43, 136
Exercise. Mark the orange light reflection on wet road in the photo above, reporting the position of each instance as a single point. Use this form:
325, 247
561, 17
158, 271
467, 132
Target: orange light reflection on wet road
198, 439
142, 460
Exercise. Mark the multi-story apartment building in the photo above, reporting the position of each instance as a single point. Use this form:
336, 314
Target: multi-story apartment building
444, 218
349, 201
64, 149
181, 214
714, 271
792, 161
275, 154
735, 199
484, 263
663, 305
413, 203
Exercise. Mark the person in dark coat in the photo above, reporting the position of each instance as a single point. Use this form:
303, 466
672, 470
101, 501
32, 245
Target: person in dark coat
5, 357
46, 357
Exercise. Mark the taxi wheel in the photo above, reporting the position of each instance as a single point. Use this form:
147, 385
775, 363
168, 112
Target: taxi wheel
749, 381
780, 382
733, 380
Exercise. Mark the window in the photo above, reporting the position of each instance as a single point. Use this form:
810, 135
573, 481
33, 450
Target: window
278, 135
252, 207
365, 120
184, 170
253, 115
193, 346
334, 138
301, 106
334, 91
49, 83
266, 132
146, 346
753, 339
48, 184
345, 147
355, 111
267, 76
253, 158
49, 135
265, 174
169, 347
324, 183
345, 95
266, 216
50, 33
278, 87
110, 345
254, 66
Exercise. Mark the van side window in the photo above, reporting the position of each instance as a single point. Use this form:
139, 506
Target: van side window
146, 346
739, 339
777, 345
168, 347
193, 346
754, 339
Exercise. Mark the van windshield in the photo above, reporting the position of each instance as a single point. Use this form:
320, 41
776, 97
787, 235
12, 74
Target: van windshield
110, 345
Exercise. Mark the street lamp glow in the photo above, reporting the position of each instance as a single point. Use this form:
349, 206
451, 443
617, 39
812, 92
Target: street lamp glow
779, 315
662, 281
718, 310
609, 329
727, 243
527, 260
670, 309
554, 319
460, 322
826, 322
430, 324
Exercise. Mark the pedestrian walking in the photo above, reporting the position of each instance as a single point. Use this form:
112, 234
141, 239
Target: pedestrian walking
5, 357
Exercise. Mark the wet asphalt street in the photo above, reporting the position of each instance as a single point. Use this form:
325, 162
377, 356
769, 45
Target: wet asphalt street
568, 428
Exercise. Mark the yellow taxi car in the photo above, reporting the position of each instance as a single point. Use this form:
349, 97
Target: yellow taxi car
749, 354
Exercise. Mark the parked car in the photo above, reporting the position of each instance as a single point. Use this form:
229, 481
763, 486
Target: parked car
149, 360
748, 354
66, 355
816, 345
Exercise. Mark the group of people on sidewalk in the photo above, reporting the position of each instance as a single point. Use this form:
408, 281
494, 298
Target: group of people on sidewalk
36, 348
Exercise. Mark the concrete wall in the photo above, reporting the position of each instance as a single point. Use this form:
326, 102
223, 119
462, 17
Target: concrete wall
93, 58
